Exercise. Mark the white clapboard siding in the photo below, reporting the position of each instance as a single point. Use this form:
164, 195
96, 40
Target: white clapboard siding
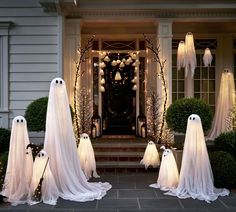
30, 86
33, 49
27, 95
33, 68
33, 58
34, 30
33, 52
34, 39
31, 77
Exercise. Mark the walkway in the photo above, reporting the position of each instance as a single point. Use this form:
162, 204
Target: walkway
131, 193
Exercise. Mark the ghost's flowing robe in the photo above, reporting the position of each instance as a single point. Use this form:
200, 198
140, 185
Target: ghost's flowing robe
151, 156
87, 157
19, 165
168, 176
196, 178
60, 145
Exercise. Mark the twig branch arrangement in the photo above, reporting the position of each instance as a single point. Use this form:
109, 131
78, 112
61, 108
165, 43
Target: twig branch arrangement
82, 58
155, 49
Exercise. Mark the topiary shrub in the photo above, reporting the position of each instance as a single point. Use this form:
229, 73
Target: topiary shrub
223, 168
36, 112
226, 142
3, 167
179, 111
5, 135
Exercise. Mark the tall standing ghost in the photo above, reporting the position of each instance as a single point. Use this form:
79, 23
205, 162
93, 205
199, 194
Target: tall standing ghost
151, 156
60, 145
196, 178
225, 103
19, 165
168, 177
86, 156
49, 191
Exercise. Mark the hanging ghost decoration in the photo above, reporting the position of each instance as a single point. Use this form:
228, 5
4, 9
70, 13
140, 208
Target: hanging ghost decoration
190, 59
181, 55
19, 165
168, 177
60, 145
207, 57
41, 169
151, 156
196, 179
224, 105
86, 156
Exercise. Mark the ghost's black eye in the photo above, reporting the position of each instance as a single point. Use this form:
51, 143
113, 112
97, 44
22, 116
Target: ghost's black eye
56, 81
21, 120
61, 82
39, 155
190, 118
193, 118
42, 154
17, 120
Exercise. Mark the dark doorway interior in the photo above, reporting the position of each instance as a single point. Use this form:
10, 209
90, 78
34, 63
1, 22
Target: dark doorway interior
119, 98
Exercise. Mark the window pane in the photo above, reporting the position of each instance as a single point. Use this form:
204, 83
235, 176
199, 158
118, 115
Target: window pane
212, 99
205, 97
181, 86
212, 72
174, 86
211, 85
180, 95
174, 97
174, 73
181, 73
197, 95
174, 60
197, 85
204, 85
197, 73
204, 73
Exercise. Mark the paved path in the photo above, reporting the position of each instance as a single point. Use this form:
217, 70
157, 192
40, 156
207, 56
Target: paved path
131, 193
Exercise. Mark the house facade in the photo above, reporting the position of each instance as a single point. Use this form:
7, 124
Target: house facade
39, 41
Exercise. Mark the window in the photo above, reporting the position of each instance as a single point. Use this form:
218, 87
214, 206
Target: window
204, 81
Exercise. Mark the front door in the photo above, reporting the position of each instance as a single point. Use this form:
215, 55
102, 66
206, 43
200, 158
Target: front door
119, 99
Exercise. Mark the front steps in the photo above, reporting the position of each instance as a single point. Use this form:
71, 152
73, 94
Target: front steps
120, 154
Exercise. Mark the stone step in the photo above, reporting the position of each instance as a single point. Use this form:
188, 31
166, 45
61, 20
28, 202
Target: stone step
118, 154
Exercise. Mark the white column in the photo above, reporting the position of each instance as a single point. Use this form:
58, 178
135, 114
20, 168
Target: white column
4, 91
60, 58
164, 39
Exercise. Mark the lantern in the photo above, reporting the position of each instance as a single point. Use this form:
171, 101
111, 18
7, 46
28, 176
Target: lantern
96, 120
140, 121
93, 131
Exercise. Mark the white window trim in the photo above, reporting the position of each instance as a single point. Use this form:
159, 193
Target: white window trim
4, 96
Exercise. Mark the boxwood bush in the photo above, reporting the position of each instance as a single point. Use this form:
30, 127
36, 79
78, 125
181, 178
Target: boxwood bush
36, 112
3, 167
179, 111
224, 169
5, 135
226, 142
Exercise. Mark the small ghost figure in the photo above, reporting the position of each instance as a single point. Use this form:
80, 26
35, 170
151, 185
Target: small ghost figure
168, 174
49, 191
151, 156
86, 157
196, 178
19, 165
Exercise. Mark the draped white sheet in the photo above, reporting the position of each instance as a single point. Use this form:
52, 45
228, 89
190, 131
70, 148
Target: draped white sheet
225, 103
168, 177
196, 178
49, 189
60, 145
181, 55
151, 156
86, 156
19, 165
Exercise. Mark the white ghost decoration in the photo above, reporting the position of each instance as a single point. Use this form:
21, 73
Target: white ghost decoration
151, 156
19, 165
196, 178
224, 105
207, 57
168, 177
60, 145
49, 191
86, 156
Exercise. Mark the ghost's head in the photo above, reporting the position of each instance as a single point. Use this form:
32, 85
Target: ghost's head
150, 143
166, 151
84, 136
194, 119
42, 154
19, 122
58, 82
226, 70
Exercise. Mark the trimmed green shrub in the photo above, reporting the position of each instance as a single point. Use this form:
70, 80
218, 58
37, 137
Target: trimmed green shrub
5, 135
36, 112
3, 167
179, 111
226, 142
223, 168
